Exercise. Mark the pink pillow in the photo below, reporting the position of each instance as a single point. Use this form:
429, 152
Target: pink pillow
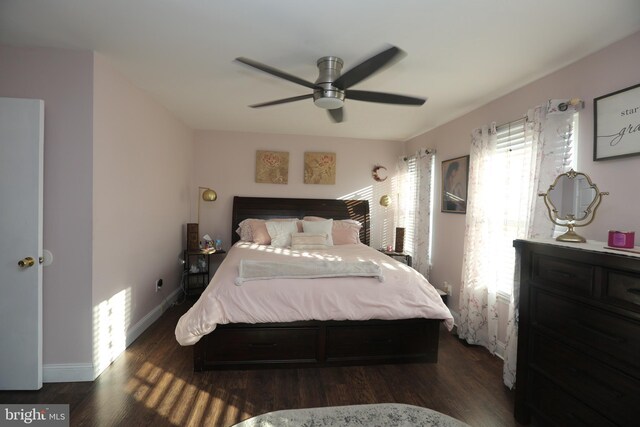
343, 232
259, 232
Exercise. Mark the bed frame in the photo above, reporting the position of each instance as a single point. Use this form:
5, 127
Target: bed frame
314, 343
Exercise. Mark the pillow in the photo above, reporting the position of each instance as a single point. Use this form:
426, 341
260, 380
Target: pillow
343, 232
346, 232
308, 241
244, 230
280, 232
324, 226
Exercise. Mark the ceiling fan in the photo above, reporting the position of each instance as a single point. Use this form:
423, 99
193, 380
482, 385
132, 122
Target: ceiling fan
331, 87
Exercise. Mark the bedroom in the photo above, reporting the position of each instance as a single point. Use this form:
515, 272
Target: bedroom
124, 145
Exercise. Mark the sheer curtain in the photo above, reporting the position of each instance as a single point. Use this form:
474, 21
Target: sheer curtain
415, 177
502, 206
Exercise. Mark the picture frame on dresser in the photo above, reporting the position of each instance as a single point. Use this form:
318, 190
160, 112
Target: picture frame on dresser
617, 124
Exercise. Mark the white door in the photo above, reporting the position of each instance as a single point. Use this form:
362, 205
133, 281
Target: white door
21, 150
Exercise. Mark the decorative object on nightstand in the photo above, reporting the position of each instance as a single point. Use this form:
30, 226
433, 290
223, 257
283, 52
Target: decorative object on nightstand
402, 257
399, 239
197, 270
571, 202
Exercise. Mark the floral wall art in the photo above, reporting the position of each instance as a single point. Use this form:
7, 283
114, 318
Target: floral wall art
320, 168
272, 167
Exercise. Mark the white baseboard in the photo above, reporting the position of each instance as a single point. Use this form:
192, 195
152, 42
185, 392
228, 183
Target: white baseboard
78, 372
67, 372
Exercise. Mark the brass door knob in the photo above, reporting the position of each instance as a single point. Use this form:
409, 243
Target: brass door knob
26, 262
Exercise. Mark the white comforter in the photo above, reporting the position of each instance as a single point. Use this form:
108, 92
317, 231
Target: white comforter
404, 293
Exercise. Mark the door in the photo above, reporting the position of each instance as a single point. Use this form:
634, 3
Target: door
21, 150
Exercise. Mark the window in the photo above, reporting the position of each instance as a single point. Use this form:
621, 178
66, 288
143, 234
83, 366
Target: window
511, 169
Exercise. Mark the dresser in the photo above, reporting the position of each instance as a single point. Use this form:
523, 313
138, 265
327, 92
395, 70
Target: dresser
578, 335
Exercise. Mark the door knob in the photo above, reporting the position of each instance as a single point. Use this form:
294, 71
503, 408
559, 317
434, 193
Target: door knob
26, 262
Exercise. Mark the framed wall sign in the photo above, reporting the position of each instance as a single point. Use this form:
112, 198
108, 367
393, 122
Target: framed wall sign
455, 176
617, 124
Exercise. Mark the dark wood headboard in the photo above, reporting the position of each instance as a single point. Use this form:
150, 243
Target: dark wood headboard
272, 207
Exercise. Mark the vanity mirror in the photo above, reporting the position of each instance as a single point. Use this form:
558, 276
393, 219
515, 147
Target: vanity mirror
572, 201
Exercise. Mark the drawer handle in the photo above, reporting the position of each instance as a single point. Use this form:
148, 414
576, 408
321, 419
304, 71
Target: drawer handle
263, 344
634, 291
603, 334
585, 375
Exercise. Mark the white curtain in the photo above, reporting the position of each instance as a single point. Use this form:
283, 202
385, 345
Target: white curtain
414, 189
502, 206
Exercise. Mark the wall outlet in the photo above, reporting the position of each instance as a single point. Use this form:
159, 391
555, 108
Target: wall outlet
158, 284
447, 288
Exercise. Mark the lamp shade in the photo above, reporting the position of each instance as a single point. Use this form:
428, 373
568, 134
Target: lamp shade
208, 195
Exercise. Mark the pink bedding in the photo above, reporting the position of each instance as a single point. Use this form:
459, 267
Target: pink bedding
404, 293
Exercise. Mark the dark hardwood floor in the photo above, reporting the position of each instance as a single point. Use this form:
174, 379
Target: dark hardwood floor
153, 383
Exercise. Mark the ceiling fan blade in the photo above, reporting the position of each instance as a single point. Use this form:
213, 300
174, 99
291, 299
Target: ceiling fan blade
337, 114
275, 72
385, 98
368, 67
282, 101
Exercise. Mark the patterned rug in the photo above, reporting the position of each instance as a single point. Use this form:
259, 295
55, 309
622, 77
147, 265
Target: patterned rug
376, 415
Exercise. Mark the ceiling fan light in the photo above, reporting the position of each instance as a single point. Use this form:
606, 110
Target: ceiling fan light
329, 103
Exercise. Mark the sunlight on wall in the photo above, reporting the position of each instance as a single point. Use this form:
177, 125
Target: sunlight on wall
182, 403
382, 218
111, 319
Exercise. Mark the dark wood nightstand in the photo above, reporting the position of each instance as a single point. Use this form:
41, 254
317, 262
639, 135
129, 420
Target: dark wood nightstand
402, 257
197, 270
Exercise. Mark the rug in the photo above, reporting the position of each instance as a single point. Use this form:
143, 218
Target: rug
375, 415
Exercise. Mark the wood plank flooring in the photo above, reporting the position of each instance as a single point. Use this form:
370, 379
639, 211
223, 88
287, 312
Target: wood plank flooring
153, 383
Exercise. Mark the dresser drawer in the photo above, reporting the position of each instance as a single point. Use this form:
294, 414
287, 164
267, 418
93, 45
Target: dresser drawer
607, 333
274, 344
557, 408
611, 392
344, 342
622, 289
563, 274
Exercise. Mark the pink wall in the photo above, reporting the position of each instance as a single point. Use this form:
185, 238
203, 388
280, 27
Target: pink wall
142, 164
608, 70
63, 79
225, 161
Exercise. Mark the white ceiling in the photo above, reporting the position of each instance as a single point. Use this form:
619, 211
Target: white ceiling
461, 54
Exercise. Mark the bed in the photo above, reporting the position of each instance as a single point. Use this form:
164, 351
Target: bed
263, 339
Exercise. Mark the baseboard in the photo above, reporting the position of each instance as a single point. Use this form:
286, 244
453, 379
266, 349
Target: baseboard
67, 372
136, 330
78, 372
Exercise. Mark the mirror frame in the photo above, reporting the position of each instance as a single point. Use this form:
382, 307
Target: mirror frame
570, 220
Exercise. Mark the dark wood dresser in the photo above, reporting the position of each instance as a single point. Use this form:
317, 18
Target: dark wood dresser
579, 335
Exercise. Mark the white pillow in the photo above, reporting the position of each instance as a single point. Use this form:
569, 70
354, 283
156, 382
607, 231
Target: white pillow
280, 232
308, 241
325, 227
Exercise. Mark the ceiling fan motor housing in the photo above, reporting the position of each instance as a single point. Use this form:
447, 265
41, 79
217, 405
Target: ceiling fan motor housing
325, 95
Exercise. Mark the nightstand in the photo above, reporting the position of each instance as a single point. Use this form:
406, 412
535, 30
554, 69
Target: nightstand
402, 257
197, 270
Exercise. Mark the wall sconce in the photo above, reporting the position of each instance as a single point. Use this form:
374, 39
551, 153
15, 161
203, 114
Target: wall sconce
385, 200
208, 195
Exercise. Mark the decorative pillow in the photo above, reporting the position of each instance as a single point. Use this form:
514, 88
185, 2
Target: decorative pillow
343, 232
244, 230
346, 232
324, 226
308, 241
280, 232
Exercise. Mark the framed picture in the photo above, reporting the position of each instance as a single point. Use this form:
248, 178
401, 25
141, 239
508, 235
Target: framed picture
455, 176
320, 168
272, 167
617, 124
